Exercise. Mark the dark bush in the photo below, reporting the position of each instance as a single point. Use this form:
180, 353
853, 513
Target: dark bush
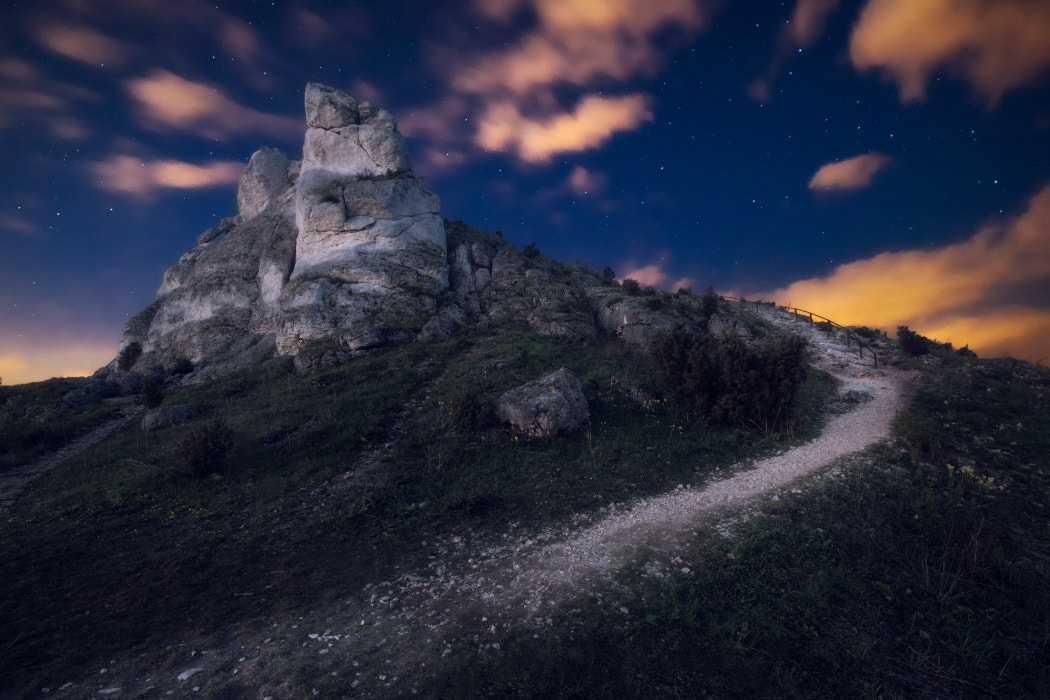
684, 292
631, 287
152, 391
653, 302
912, 343
531, 251
182, 365
468, 414
867, 333
202, 451
709, 302
128, 355
608, 276
728, 381
965, 351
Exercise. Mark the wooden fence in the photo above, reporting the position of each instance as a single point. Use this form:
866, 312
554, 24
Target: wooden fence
829, 325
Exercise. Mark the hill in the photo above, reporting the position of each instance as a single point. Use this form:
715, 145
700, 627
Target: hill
356, 450
350, 495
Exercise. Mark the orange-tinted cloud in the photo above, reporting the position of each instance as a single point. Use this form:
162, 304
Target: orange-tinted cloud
594, 121
170, 102
577, 44
808, 21
850, 174
995, 45
130, 175
655, 276
578, 41
991, 291
584, 181
803, 30
84, 45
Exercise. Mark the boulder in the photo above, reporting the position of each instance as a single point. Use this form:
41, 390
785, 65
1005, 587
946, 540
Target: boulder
167, 416
545, 406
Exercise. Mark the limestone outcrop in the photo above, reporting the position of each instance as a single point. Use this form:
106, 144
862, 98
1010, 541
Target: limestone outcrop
547, 406
345, 244
344, 249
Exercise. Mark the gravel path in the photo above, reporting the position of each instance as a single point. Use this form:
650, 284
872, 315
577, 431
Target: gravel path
14, 481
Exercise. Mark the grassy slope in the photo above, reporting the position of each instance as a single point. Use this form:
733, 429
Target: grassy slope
904, 578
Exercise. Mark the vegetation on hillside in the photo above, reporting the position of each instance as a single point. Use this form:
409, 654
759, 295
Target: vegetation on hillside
919, 571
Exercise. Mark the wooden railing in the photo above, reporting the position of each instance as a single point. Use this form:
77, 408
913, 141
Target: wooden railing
804, 315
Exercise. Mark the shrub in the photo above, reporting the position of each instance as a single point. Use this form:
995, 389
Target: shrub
531, 251
128, 355
182, 365
653, 302
203, 450
709, 303
467, 413
152, 391
631, 287
912, 343
965, 351
729, 381
608, 276
867, 333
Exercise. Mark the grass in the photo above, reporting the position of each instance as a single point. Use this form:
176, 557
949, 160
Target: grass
34, 419
901, 578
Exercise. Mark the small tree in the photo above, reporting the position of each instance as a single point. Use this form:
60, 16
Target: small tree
912, 343
203, 450
608, 276
631, 287
531, 251
709, 302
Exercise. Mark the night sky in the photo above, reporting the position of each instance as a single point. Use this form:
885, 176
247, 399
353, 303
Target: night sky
881, 162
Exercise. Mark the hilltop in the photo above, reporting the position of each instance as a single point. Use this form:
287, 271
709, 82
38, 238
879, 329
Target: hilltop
298, 480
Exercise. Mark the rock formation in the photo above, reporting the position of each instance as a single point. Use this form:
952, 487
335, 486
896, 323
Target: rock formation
545, 406
346, 249
344, 245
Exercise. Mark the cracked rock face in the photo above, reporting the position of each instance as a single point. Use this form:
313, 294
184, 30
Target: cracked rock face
344, 245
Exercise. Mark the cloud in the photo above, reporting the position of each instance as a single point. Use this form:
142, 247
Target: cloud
26, 94
584, 181
803, 30
594, 121
129, 175
169, 102
11, 223
515, 99
994, 45
655, 276
991, 291
84, 45
808, 21
579, 41
850, 174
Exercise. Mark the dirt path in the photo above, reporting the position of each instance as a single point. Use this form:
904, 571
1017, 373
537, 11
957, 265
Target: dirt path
14, 481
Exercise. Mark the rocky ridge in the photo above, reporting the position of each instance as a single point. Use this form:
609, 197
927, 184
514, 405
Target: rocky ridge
345, 250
